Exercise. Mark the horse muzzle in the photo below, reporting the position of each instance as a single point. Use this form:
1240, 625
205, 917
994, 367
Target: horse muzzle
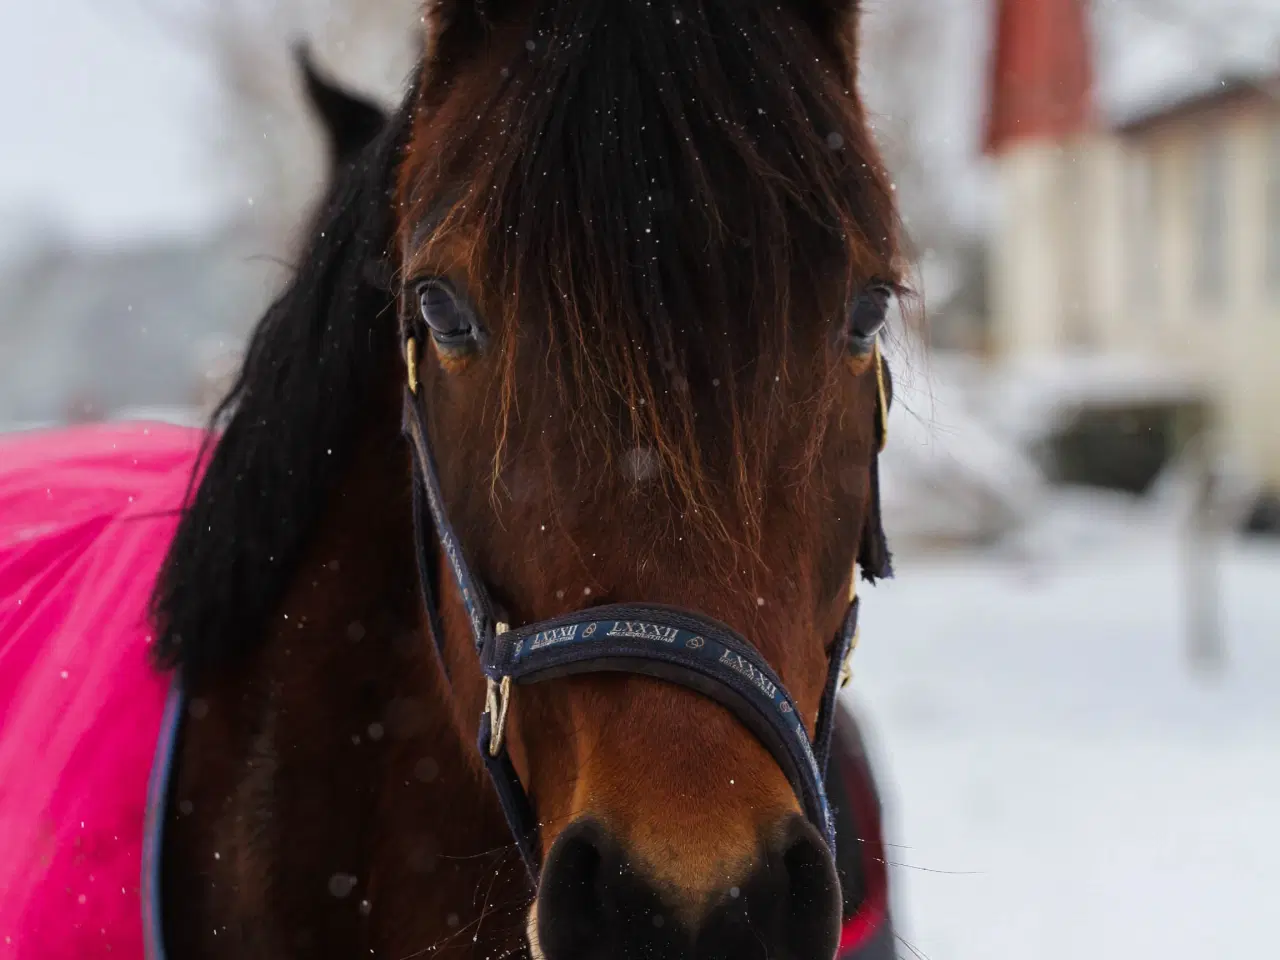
596, 901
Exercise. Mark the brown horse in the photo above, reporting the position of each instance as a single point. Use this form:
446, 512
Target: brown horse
638, 254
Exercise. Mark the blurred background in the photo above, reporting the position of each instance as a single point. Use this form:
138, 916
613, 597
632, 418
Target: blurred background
1073, 686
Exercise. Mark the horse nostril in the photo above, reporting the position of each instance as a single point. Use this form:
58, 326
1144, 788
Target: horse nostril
592, 904
812, 922
789, 907
570, 908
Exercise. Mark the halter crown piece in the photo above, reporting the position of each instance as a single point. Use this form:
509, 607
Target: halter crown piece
678, 646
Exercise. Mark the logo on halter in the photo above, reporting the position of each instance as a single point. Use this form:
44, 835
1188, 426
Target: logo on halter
549, 638
802, 736
695, 643
759, 680
644, 631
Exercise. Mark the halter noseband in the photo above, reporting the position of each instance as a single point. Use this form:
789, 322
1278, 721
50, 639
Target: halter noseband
678, 646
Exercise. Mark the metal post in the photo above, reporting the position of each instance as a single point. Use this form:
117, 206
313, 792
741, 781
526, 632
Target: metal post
1201, 566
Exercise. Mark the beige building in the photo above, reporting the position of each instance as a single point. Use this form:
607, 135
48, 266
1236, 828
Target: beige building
1152, 245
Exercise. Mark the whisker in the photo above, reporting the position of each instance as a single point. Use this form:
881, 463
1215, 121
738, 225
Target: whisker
948, 873
514, 907
505, 848
916, 952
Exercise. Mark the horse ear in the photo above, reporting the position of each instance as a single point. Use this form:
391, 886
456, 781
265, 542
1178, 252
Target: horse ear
309, 384
350, 121
836, 10
447, 10
443, 15
833, 20
463, 24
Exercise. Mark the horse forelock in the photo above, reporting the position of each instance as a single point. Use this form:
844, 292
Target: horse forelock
666, 210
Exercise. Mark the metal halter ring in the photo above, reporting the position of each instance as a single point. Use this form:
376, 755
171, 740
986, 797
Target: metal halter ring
497, 698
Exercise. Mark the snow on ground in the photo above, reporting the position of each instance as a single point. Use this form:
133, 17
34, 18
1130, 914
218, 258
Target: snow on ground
1058, 783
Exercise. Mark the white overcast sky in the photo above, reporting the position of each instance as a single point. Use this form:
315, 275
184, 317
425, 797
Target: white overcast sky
101, 120
106, 118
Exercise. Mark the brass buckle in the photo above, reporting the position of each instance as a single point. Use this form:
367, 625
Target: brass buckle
411, 362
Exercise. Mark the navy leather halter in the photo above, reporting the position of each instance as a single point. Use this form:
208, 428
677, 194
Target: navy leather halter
677, 646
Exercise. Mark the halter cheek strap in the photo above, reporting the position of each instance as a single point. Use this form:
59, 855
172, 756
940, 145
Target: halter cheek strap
676, 646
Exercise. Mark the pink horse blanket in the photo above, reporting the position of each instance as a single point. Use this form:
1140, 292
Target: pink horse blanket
86, 721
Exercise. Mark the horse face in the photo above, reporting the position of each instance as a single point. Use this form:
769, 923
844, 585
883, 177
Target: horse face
650, 252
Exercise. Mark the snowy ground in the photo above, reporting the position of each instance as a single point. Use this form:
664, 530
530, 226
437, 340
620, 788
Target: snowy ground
1058, 782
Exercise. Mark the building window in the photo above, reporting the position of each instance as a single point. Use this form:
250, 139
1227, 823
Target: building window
1273, 211
1074, 238
1142, 259
1211, 218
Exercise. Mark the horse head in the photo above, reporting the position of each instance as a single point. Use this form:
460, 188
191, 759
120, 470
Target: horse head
631, 260
648, 249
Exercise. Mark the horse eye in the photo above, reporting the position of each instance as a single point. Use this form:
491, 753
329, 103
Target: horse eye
448, 318
867, 317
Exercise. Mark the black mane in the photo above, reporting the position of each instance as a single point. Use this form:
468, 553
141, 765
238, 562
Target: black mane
290, 422
741, 154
